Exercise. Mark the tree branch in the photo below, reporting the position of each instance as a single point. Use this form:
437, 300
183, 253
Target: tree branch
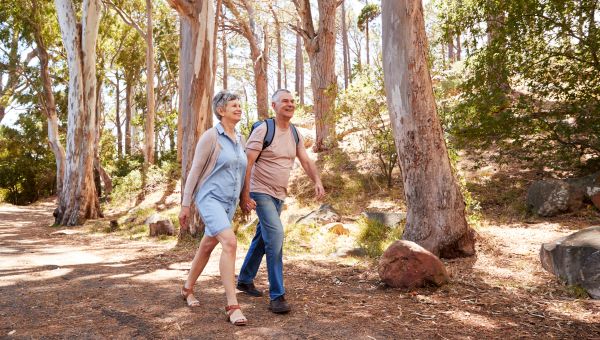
126, 18
183, 7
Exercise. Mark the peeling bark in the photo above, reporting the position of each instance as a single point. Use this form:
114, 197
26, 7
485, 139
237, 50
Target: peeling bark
150, 114
195, 82
320, 47
259, 56
78, 201
436, 209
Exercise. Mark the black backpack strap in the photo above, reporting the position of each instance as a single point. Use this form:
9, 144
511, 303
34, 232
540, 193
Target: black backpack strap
270, 133
295, 133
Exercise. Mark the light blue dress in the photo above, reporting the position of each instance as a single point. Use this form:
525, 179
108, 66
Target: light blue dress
218, 197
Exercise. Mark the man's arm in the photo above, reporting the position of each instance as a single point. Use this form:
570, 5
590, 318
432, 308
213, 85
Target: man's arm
311, 170
246, 203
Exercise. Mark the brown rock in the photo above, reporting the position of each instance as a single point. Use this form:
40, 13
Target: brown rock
405, 264
596, 200
337, 228
162, 227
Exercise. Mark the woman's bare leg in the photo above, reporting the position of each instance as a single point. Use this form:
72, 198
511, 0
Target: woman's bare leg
207, 244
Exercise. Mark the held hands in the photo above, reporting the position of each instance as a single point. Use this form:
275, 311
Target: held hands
247, 204
184, 216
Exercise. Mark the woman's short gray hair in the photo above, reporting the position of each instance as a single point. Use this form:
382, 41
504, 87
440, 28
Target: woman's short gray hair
220, 101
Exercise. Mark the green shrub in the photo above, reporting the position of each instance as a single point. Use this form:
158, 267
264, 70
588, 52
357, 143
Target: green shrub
374, 237
364, 106
27, 165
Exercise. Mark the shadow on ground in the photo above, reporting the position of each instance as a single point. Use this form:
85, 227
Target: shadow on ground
82, 285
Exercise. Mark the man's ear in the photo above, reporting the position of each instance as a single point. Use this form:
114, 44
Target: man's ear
273, 105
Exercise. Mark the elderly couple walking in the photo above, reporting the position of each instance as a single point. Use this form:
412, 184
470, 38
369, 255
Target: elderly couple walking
225, 172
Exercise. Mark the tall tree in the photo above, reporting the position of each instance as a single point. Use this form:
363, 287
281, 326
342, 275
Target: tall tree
345, 46
79, 201
147, 35
368, 14
246, 26
278, 39
299, 69
320, 47
196, 80
36, 23
436, 210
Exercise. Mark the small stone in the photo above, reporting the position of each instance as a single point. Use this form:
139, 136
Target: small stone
162, 227
337, 228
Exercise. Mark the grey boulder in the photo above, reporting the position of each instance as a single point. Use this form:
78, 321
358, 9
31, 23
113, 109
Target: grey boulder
575, 259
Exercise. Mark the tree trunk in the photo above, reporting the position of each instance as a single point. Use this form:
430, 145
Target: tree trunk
451, 57
458, 47
128, 104
345, 47
259, 56
149, 123
367, 42
299, 69
78, 201
98, 169
225, 70
320, 46
278, 39
195, 82
497, 77
436, 210
13, 64
118, 115
285, 82
49, 105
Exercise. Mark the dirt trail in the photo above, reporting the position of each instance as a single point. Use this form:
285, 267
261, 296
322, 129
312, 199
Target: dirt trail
83, 285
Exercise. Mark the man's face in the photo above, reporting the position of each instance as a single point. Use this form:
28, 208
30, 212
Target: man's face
284, 105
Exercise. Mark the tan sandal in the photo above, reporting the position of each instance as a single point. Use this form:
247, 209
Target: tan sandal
185, 292
241, 321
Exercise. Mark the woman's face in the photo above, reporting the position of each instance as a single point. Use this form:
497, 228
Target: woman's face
232, 112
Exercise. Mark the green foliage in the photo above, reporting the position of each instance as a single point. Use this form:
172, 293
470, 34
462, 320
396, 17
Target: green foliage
367, 14
365, 107
27, 166
531, 91
577, 292
374, 237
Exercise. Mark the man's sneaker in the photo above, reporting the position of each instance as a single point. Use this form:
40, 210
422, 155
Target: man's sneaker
249, 289
279, 305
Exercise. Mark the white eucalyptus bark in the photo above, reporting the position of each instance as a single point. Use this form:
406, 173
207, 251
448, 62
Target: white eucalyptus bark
78, 201
195, 80
49, 104
436, 210
150, 115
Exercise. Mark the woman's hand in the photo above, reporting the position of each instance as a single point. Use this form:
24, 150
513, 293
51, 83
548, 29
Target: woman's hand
247, 204
184, 216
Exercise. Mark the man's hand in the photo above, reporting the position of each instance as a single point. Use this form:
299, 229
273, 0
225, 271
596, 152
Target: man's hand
319, 191
247, 204
184, 216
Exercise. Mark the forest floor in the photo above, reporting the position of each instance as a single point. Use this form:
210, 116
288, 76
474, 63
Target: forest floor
74, 283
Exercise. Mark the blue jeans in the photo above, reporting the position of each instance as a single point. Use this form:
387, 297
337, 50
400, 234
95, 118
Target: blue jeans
267, 240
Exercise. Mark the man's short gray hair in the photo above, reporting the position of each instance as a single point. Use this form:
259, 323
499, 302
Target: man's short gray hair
276, 94
221, 99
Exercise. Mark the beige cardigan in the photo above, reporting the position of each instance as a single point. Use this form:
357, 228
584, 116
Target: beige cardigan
205, 157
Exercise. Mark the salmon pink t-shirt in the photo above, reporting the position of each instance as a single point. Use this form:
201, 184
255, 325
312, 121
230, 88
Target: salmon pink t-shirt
271, 173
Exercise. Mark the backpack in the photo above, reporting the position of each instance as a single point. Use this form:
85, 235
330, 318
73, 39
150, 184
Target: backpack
271, 133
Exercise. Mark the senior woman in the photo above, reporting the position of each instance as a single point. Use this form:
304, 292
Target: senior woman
214, 182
